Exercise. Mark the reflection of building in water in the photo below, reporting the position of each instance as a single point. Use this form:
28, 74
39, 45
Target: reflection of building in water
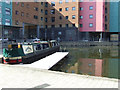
87, 66
110, 68
73, 69
90, 66
114, 52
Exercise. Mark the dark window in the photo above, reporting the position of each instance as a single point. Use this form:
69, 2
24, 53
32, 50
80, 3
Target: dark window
81, 8
46, 4
41, 3
52, 19
66, 17
41, 18
60, 25
66, 9
16, 12
105, 10
105, 18
35, 17
41, 10
46, 19
60, 17
67, 25
105, 26
81, 25
53, 26
60, 9
46, 26
46, 12
36, 9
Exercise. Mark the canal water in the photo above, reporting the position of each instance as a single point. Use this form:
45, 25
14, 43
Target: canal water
94, 61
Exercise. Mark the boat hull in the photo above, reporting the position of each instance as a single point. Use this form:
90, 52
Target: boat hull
37, 55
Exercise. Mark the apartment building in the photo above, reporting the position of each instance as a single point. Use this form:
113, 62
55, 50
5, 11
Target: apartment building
63, 19
5, 12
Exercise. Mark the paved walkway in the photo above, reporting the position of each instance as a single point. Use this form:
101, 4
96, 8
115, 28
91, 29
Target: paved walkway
24, 77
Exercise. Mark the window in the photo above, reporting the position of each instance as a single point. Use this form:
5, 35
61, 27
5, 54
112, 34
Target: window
73, 8
91, 25
91, 8
16, 22
0, 9
66, 9
105, 26
66, 1
46, 12
46, 4
41, 3
41, 18
41, 10
53, 26
90, 16
35, 17
0, 21
60, 17
53, 11
105, 18
7, 11
7, 21
66, 17
67, 25
22, 4
16, 12
36, 9
46, 19
105, 10
60, 25
73, 16
81, 17
46, 26
52, 3
60, 2
7, 1
52, 19
81, 8
22, 13
60, 9
81, 25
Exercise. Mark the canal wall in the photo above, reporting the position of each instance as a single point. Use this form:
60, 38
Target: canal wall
87, 43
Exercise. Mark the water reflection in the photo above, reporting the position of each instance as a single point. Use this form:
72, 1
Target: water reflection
96, 61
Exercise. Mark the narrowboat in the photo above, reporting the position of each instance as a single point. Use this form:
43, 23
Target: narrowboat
29, 52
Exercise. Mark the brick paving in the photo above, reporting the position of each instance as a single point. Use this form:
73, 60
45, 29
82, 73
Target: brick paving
13, 76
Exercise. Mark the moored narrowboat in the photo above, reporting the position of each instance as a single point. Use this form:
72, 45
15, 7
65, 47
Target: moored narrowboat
28, 52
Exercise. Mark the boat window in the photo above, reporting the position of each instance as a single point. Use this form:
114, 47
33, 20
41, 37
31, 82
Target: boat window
45, 46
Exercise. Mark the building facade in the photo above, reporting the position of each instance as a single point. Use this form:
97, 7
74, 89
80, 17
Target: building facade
63, 19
